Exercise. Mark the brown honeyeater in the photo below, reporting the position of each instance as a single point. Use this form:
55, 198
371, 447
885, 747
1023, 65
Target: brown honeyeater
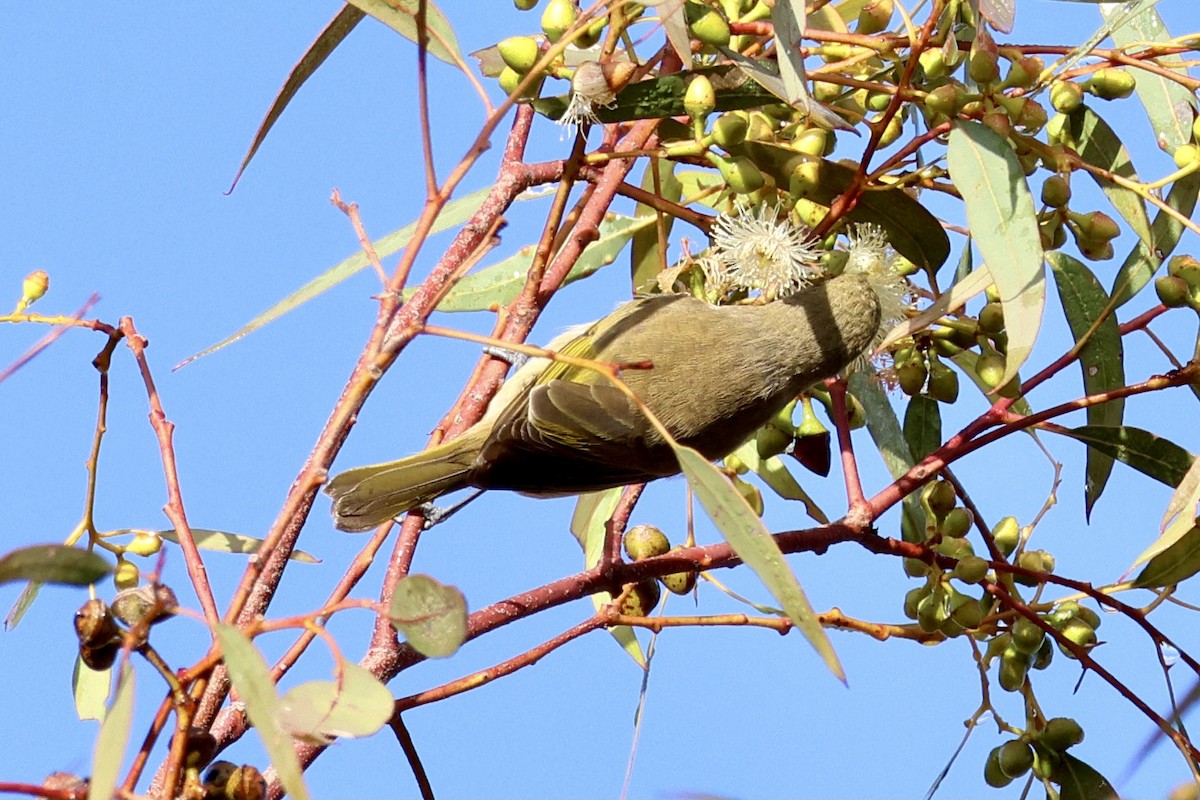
716, 374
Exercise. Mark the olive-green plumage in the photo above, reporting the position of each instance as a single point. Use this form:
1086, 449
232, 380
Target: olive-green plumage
718, 374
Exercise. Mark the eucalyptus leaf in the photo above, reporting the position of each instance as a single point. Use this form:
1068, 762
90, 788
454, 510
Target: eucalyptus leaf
754, 545
1141, 264
53, 563
401, 16
775, 474
1000, 213
113, 739
922, 426
1146, 452
647, 252
1101, 357
592, 511
320, 711
1175, 564
455, 212
889, 439
90, 689
251, 678
1099, 145
431, 615
1077, 781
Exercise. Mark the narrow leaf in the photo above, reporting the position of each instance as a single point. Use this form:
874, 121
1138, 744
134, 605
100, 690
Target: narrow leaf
765, 73
750, 539
431, 615
401, 16
455, 212
644, 256
1185, 497
1143, 261
1179, 528
225, 542
90, 688
53, 563
1175, 564
251, 678
888, 436
337, 30
1168, 104
1101, 359
922, 426
500, 283
1001, 216
113, 739
592, 511
1099, 145
1146, 452
975, 283
674, 22
1077, 781
789, 18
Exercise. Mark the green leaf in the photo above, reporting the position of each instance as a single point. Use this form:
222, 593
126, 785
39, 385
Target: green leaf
922, 426
431, 615
225, 542
674, 22
251, 679
321, 711
24, 601
889, 439
1000, 214
1172, 533
1168, 104
1175, 564
644, 257
113, 739
1077, 781
401, 16
776, 475
1084, 302
1185, 497
90, 688
663, 97
592, 511
455, 212
1142, 262
53, 563
974, 283
327, 41
500, 283
911, 229
789, 18
1099, 145
754, 545
1146, 452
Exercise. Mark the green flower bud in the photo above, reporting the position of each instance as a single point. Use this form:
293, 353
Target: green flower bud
125, 575
750, 494
1061, 733
911, 377
1112, 83
912, 600
641, 599
1056, 192
943, 382
933, 63
1045, 654
145, 543
939, 496
519, 52
874, 17
558, 18
33, 288
970, 569
525, 5
699, 99
645, 541
509, 79
983, 65
1186, 155
1027, 636
946, 99
916, 568
679, 582
932, 611
707, 25
739, 172
991, 319
1016, 757
1078, 632
955, 548
1066, 96
992, 774
1173, 292
891, 131
1007, 534
771, 441
956, 524
965, 611
1014, 666
730, 129
990, 369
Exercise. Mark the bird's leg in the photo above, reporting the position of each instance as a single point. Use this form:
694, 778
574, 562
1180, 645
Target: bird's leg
438, 514
517, 360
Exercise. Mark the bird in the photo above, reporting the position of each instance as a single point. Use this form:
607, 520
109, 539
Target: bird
711, 374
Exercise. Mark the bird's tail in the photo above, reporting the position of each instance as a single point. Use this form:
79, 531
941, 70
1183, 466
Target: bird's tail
365, 497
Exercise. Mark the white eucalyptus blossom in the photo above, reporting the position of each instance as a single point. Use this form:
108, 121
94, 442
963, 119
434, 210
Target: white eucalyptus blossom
758, 251
870, 256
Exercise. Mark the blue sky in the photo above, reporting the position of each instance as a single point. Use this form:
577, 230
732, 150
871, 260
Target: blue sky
121, 132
